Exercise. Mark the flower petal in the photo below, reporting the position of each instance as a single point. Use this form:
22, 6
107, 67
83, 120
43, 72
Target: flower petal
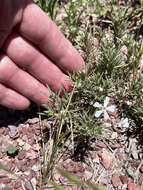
125, 123
106, 116
106, 101
97, 105
110, 108
98, 113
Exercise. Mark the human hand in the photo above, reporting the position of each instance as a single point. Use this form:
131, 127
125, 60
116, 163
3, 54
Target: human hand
34, 53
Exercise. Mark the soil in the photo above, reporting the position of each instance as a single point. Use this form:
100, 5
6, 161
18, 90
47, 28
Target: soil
114, 162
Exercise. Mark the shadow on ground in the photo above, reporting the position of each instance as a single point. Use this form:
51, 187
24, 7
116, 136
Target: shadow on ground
15, 117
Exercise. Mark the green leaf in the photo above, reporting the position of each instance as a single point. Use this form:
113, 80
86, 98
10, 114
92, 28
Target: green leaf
56, 186
5, 168
12, 149
4, 188
70, 177
94, 187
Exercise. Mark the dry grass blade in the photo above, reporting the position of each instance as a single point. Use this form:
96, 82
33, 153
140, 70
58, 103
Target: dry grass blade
56, 186
78, 181
2, 167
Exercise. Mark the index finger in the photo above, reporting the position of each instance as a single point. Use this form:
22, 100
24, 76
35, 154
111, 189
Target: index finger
37, 27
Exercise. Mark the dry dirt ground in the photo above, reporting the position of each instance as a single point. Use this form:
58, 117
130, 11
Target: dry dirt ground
114, 162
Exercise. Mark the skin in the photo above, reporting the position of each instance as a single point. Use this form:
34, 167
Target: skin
34, 55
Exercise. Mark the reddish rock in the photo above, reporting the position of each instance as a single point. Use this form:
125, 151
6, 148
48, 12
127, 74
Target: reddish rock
30, 136
33, 120
2, 131
104, 181
21, 155
25, 138
75, 187
101, 144
75, 167
30, 130
124, 179
132, 186
17, 185
105, 159
5, 180
116, 180
121, 156
135, 163
10, 165
62, 180
28, 186
3, 149
140, 180
32, 162
15, 143
22, 165
24, 130
37, 132
16, 136
37, 126
114, 145
31, 141
5, 143
13, 131
32, 174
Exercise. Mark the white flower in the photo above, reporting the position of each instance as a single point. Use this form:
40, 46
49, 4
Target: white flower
100, 89
124, 124
104, 108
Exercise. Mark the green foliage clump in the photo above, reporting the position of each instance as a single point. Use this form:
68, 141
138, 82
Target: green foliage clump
12, 149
